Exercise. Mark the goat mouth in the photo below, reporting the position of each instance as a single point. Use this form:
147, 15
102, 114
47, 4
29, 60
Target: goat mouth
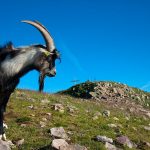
50, 75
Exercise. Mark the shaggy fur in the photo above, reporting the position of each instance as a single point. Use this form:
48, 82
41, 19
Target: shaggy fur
15, 62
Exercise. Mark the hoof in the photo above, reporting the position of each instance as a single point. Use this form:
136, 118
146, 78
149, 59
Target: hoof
3, 137
5, 126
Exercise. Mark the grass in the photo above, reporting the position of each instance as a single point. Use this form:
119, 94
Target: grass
79, 125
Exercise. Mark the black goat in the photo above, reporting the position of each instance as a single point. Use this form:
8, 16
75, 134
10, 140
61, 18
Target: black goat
15, 62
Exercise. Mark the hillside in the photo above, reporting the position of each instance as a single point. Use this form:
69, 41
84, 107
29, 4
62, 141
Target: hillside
31, 115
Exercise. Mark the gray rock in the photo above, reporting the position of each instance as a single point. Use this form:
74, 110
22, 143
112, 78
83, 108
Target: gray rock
106, 113
42, 124
124, 140
5, 145
45, 101
112, 125
103, 139
31, 107
116, 119
75, 147
148, 114
49, 114
59, 144
58, 107
147, 128
19, 142
143, 145
59, 132
109, 146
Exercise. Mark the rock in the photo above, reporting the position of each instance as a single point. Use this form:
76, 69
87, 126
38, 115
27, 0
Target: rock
103, 139
5, 145
59, 144
97, 114
75, 147
143, 145
44, 119
71, 109
127, 118
49, 114
45, 101
31, 107
124, 140
42, 124
95, 117
134, 128
109, 146
106, 113
147, 128
112, 125
58, 107
18, 142
5, 126
23, 125
148, 114
116, 119
59, 132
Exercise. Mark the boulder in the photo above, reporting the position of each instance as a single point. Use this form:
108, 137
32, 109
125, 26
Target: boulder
109, 146
103, 139
124, 140
5, 145
59, 144
58, 132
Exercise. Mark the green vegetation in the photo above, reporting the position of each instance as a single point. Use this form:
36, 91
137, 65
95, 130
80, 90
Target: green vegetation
26, 109
81, 90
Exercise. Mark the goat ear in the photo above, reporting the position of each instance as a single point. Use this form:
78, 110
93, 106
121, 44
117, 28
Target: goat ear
47, 53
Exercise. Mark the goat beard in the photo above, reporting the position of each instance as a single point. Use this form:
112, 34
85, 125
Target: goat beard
41, 81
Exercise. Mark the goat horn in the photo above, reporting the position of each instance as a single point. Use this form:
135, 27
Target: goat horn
48, 39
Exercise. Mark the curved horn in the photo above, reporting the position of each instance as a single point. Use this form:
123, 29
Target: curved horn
48, 39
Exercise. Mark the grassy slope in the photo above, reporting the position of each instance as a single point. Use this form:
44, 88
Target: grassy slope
79, 123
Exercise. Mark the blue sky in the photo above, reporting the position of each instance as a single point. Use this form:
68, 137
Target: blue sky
98, 40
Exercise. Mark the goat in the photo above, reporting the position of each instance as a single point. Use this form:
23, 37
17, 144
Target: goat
16, 62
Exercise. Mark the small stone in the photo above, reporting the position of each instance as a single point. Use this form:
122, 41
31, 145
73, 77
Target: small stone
116, 119
44, 119
112, 125
58, 132
58, 107
127, 118
19, 142
97, 114
148, 114
59, 144
109, 146
42, 124
103, 139
106, 113
31, 107
147, 128
45, 101
5, 126
124, 140
23, 125
143, 145
32, 115
95, 117
5, 145
75, 147
49, 114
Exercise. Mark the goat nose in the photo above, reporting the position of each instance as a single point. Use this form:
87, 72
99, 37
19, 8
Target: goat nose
54, 72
